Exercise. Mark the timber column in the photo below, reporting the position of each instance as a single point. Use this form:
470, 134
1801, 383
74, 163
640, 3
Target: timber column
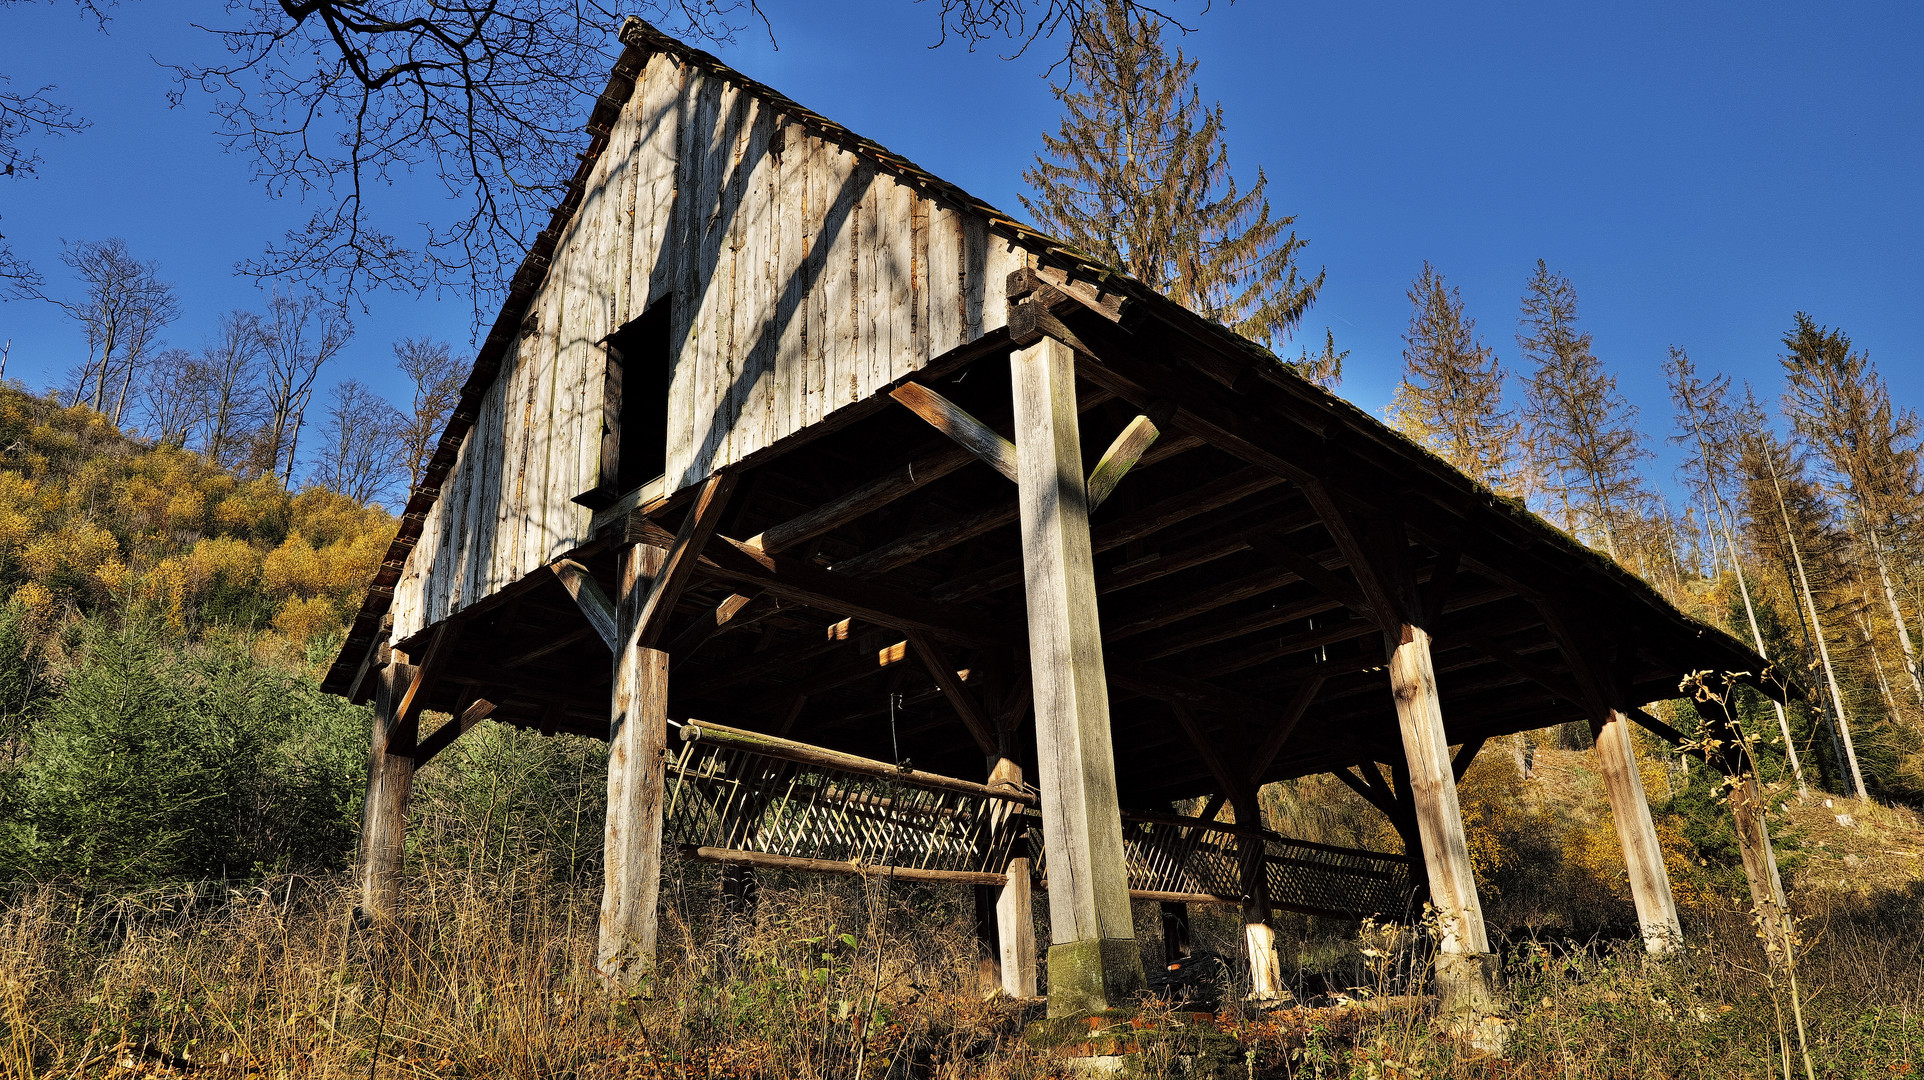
1093, 962
390, 779
1642, 851
1464, 965
1014, 911
1259, 938
637, 747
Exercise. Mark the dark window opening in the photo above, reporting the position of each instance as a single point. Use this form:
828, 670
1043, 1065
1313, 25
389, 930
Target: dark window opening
640, 370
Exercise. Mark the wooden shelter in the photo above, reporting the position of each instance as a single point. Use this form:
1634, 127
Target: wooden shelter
782, 439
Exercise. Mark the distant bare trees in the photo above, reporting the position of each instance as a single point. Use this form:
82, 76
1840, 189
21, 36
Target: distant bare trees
299, 335
360, 453
122, 307
434, 378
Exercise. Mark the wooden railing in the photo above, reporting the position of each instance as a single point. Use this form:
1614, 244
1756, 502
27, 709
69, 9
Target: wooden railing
740, 797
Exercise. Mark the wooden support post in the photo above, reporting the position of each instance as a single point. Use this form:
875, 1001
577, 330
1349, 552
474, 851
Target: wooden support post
1175, 931
1464, 966
1378, 554
1642, 852
1014, 914
1093, 961
1259, 938
390, 778
637, 744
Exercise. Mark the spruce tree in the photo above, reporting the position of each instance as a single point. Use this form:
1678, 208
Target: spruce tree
1138, 177
1451, 396
1842, 407
1582, 431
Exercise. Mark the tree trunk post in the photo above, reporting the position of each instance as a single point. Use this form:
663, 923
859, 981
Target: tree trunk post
1014, 908
1748, 809
637, 747
390, 779
1093, 962
1464, 964
1637, 832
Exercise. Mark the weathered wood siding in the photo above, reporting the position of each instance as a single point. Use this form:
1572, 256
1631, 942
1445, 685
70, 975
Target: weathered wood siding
806, 277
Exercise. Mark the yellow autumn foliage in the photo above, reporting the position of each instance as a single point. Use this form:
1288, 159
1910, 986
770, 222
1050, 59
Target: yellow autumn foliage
90, 518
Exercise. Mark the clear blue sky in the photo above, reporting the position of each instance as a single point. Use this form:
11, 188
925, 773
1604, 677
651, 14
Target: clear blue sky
1699, 174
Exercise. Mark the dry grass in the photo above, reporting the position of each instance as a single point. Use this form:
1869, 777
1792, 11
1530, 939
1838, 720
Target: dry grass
488, 977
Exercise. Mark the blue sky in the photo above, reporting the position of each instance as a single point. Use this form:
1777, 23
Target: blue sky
1700, 172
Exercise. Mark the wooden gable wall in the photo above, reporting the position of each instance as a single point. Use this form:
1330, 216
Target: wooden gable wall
805, 278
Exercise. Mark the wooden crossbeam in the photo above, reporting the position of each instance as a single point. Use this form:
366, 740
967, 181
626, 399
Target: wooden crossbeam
1283, 728
407, 715
1229, 629
1234, 784
457, 726
864, 500
591, 598
805, 583
952, 420
651, 620
1465, 755
1538, 673
1314, 571
552, 645
1122, 455
736, 609
940, 537
959, 697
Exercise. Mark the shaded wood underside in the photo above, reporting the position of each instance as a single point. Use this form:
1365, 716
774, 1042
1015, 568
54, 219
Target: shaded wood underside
1220, 588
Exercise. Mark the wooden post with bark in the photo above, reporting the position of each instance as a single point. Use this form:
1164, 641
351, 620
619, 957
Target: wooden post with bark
637, 746
390, 779
1093, 961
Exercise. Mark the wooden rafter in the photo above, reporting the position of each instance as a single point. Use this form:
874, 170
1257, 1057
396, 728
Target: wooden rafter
952, 420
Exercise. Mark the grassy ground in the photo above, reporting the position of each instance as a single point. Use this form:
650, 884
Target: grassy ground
486, 975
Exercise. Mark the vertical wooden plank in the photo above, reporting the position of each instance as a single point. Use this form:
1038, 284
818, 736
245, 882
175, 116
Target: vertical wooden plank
946, 310
974, 276
1004, 258
1093, 963
904, 321
682, 249
1642, 851
917, 353
390, 778
790, 284
842, 272
637, 746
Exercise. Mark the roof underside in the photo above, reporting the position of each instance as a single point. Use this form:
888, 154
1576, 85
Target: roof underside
1223, 591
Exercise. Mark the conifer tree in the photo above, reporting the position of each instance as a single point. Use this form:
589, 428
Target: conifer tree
1842, 407
1704, 422
1324, 369
1582, 431
1451, 396
1138, 177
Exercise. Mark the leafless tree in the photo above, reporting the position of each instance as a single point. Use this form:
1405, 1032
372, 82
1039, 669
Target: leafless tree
435, 376
122, 307
230, 406
332, 98
299, 335
360, 454
172, 395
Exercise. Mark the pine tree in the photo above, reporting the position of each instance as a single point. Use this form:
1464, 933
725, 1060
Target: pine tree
1842, 407
1451, 396
1324, 369
1582, 431
1138, 177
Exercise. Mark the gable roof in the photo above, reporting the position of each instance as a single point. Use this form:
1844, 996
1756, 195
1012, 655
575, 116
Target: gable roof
1332, 415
